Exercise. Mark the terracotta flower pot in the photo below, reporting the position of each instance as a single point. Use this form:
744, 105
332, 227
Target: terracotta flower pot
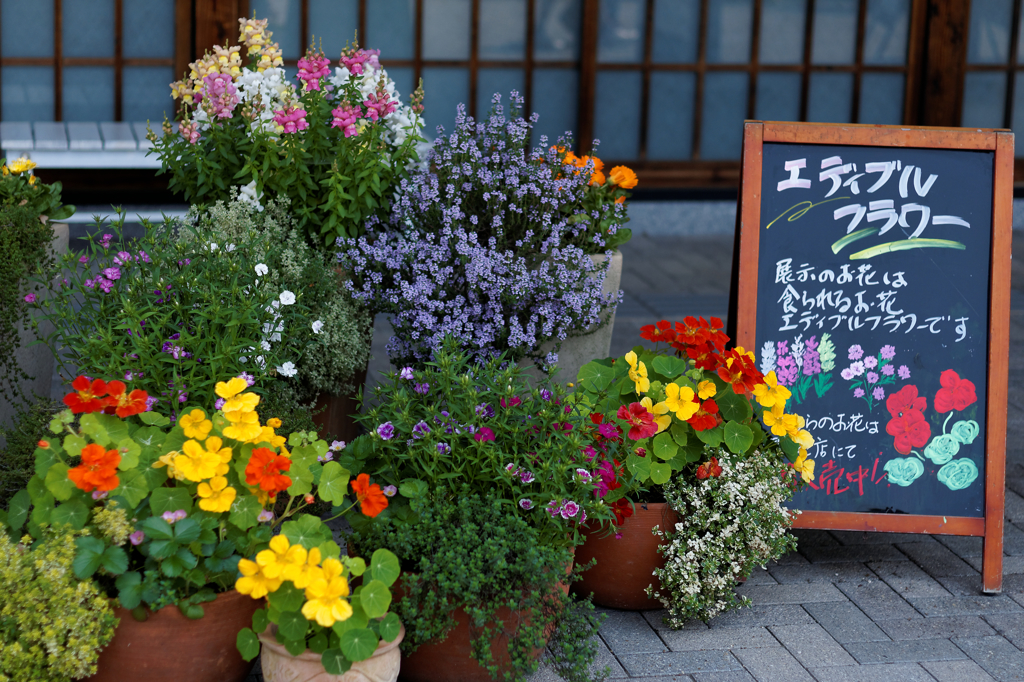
168, 647
625, 567
280, 666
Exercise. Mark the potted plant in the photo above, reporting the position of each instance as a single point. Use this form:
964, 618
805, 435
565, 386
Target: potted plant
680, 407
508, 248
230, 290
481, 467
166, 512
29, 240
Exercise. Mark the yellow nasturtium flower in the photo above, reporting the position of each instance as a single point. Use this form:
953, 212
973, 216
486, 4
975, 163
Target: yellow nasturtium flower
196, 425
231, 388
324, 602
244, 426
771, 392
217, 495
660, 412
706, 389
638, 373
680, 400
168, 461
805, 466
275, 561
303, 573
199, 463
253, 582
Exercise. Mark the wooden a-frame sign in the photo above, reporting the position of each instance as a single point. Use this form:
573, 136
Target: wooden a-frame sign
914, 222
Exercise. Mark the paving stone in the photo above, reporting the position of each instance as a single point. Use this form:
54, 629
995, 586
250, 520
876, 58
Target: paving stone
1013, 507
790, 594
604, 659
656, 619
721, 638
936, 559
1013, 539
878, 601
961, 545
812, 646
753, 616
846, 623
858, 553
773, 665
855, 537
761, 576
820, 573
889, 672
906, 651
1008, 625
966, 586
1012, 565
811, 537
790, 559
935, 628
907, 579
627, 632
998, 657
731, 676
679, 662
964, 606
956, 671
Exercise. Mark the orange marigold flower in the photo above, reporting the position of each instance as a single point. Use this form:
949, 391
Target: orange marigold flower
124, 404
597, 178
98, 470
371, 499
706, 416
620, 200
661, 332
265, 469
88, 395
623, 177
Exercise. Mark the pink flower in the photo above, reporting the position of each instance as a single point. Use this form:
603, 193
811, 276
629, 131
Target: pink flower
265, 516
112, 273
354, 60
389, 490
345, 117
609, 431
292, 119
570, 510
220, 96
514, 402
312, 68
526, 476
484, 434
99, 494
378, 105
189, 131
30, 298
526, 503
136, 537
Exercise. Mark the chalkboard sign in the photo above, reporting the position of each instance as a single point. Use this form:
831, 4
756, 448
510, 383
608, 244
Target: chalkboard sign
874, 281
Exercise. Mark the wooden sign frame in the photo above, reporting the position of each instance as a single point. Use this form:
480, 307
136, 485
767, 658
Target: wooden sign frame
745, 266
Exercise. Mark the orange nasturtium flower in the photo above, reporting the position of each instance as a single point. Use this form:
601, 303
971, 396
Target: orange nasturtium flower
265, 469
371, 499
98, 470
623, 177
124, 404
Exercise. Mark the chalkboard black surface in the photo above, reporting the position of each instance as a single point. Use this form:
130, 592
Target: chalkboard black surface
872, 275
873, 309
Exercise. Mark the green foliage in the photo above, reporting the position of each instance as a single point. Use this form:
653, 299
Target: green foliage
17, 459
24, 251
52, 625
468, 551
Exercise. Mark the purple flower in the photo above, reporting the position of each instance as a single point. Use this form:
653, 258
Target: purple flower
151, 402
389, 490
105, 240
872, 377
888, 370
856, 352
583, 474
83, 259
871, 362
570, 510
145, 259
554, 508
386, 431
265, 516
858, 393
99, 494
526, 503
484, 410
249, 378
811, 358
105, 284
420, 430
122, 258
545, 394
526, 476
406, 374
443, 448
847, 374
422, 389
483, 435
888, 352
183, 396
786, 371
609, 430
337, 445
113, 274
904, 372
878, 393
326, 457
128, 376
136, 537
30, 298
857, 368
219, 403
782, 347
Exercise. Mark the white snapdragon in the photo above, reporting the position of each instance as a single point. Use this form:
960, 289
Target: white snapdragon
247, 195
287, 369
318, 326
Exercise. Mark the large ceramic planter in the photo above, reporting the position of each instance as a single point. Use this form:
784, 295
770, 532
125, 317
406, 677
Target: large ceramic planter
168, 647
625, 567
280, 666
577, 351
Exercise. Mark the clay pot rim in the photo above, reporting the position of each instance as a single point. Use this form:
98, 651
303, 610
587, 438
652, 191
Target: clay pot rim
268, 639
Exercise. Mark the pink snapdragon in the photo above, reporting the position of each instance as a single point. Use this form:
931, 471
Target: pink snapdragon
292, 119
221, 95
312, 68
354, 59
378, 105
345, 117
189, 131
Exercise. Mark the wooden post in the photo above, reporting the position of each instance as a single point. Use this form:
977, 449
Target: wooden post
942, 94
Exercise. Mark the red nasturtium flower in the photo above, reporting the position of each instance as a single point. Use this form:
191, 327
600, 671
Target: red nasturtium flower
910, 429
709, 469
738, 369
98, 470
706, 416
905, 400
88, 395
372, 500
265, 469
704, 356
124, 404
641, 422
622, 510
661, 332
693, 332
955, 394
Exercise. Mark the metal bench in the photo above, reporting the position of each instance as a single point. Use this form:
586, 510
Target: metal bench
79, 144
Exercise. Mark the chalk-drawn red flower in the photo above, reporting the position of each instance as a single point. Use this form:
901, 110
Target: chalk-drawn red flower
955, 394
910, 430
904, 400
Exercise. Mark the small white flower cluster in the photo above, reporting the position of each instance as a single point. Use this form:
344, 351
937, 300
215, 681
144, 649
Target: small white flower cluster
727, 525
